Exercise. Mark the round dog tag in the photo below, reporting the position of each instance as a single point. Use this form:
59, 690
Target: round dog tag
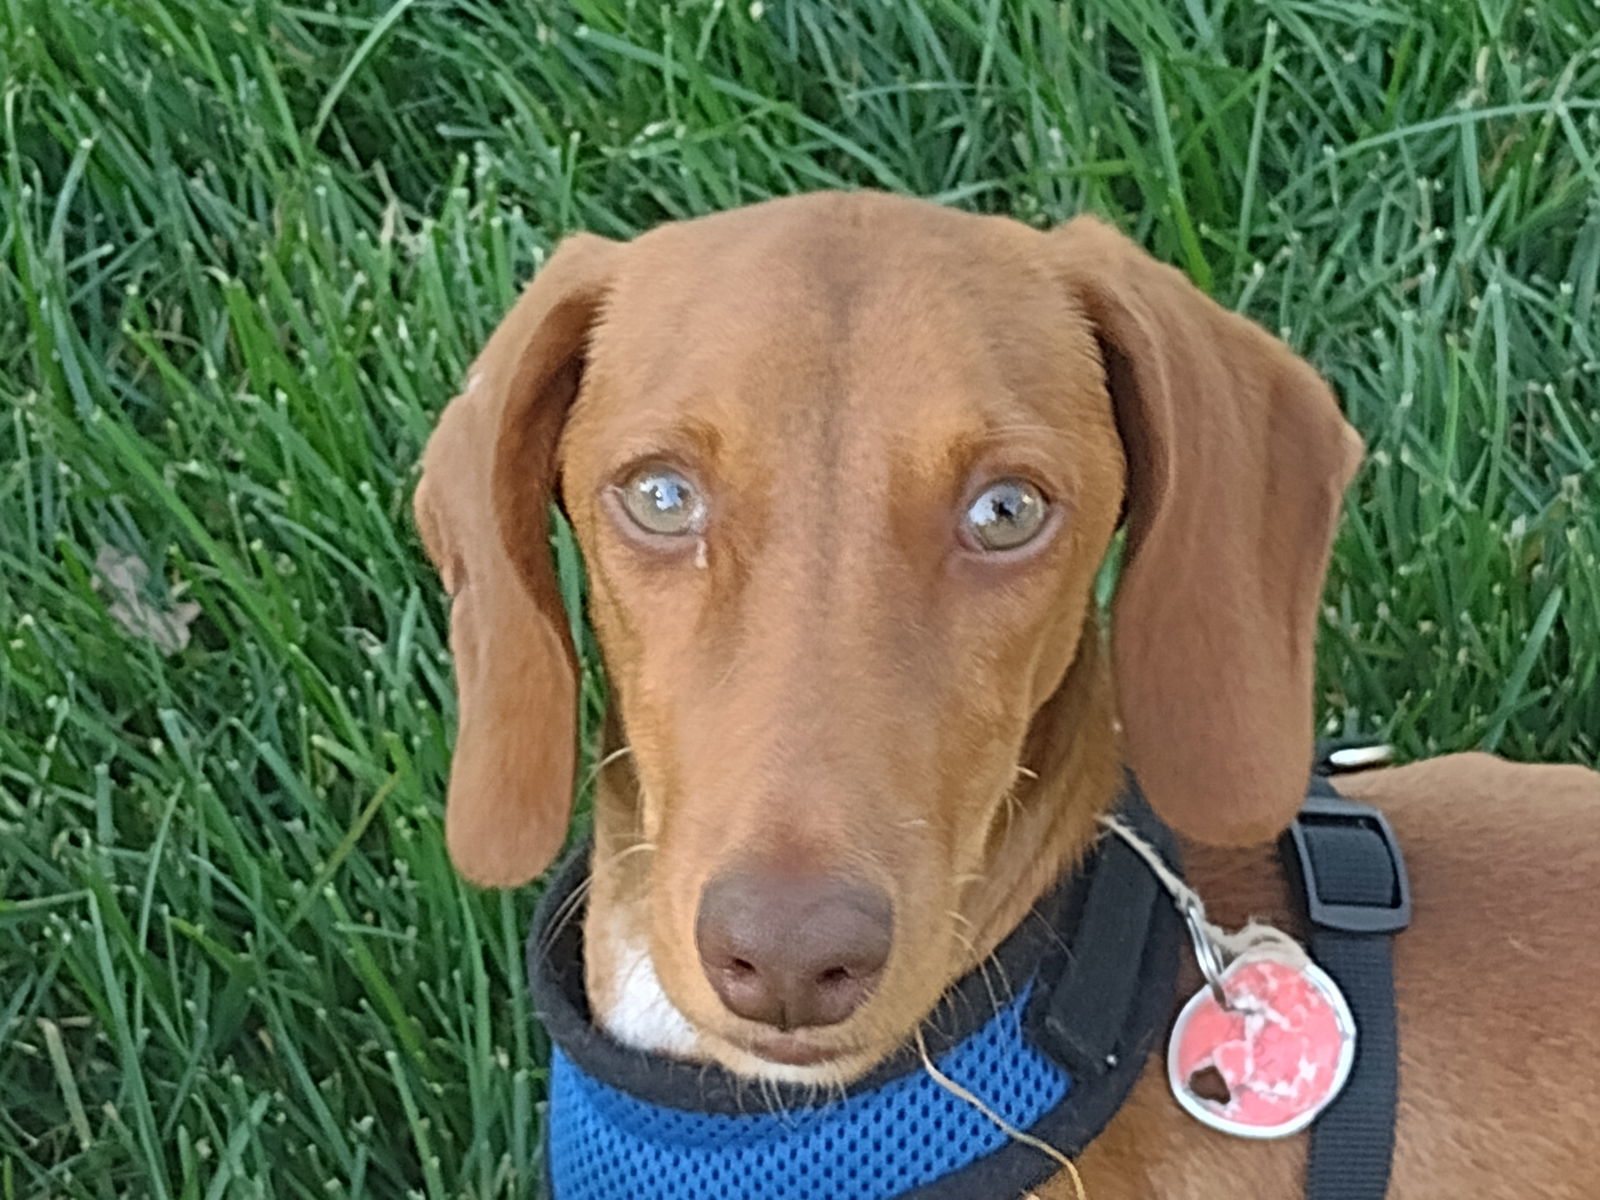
1266, 1064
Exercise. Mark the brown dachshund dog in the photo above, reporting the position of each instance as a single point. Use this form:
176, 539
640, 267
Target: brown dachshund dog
844, 469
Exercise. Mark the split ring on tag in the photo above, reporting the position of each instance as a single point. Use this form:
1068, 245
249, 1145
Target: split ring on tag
1206, 951
1269, 1055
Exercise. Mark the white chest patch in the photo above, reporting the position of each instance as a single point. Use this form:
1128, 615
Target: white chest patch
641, 1016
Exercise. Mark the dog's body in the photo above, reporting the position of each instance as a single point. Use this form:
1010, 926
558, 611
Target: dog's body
1499, 1016
843, 469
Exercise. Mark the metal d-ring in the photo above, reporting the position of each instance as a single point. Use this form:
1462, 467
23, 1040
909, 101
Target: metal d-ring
1206, 951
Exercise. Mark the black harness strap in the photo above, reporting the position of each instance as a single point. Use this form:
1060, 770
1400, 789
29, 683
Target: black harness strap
1125, 910
1352, 879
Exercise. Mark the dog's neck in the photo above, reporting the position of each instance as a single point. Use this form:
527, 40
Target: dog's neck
625, 993
1069, 775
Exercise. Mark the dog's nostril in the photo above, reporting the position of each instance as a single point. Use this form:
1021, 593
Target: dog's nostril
793, 951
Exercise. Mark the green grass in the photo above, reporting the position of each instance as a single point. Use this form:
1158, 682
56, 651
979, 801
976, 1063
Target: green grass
246, 250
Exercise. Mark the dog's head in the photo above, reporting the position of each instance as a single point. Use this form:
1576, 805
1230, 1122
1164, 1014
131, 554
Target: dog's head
843, 469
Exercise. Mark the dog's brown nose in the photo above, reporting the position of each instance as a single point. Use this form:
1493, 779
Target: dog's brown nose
793, 950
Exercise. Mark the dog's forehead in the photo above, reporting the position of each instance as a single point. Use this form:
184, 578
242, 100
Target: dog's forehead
825, 254
839, 299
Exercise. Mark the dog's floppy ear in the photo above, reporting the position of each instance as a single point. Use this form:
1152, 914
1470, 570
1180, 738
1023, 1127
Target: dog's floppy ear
482, 508
1238, 459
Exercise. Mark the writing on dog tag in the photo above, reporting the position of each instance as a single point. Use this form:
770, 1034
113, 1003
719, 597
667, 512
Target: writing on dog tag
1266, 1062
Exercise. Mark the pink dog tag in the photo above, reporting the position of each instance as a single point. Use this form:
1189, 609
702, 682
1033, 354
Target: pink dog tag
1267, 1064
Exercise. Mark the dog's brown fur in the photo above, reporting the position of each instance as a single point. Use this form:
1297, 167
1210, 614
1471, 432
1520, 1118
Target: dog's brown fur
828, 676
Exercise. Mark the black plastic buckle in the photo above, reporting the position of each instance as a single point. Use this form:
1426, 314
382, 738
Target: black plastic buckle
1321, 812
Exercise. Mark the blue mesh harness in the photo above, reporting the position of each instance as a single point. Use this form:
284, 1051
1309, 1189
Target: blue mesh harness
1051, 1034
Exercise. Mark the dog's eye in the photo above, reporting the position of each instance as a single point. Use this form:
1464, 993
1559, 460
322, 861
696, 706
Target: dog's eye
1006, 514
662, 501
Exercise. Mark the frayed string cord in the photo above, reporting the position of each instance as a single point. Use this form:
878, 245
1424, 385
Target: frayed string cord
1005, 1127
1257, 937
